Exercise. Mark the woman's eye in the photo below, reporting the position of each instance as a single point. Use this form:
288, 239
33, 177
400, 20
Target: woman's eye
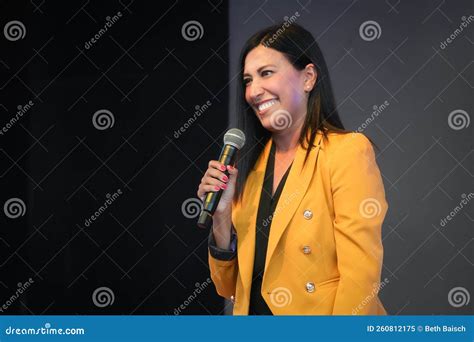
247, 81
266, 72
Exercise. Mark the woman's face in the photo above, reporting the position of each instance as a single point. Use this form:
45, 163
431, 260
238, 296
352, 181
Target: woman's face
275, 89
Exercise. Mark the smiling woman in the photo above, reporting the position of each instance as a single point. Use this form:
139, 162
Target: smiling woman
272, 83
307, 199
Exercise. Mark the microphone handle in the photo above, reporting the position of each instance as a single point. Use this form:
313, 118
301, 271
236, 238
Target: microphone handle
227, 157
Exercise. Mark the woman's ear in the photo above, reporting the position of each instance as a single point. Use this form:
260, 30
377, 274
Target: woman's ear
310, 77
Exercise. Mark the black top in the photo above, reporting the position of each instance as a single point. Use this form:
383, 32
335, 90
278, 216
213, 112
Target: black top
265, 212
266, 208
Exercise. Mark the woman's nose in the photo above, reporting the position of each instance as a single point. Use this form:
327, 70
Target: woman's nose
256, 92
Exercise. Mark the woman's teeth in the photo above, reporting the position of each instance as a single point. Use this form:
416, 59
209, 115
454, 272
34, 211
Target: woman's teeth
266, 105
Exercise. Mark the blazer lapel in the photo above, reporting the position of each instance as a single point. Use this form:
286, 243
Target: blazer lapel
244, 216
293, 192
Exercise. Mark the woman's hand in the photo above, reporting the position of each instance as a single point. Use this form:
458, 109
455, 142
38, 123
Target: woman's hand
215, 179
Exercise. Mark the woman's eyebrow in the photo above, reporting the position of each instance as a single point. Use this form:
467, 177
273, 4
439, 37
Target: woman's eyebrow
260, 69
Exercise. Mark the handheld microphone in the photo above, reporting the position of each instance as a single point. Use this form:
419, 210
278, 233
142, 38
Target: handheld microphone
234, 140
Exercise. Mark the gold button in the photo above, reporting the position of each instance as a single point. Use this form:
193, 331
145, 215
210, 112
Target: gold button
306, 249
310, 287
308, 214
232, 299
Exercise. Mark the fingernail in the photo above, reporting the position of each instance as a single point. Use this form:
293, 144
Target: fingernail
224, 186
222, 167
229, 167
217, 188
225, 179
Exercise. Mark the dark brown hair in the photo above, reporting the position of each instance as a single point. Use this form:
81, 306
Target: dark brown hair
301, 49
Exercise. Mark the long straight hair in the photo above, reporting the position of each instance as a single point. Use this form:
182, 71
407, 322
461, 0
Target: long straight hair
300, 48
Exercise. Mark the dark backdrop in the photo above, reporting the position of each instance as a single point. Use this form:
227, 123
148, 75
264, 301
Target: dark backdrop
420, 88
151, 79
134, 116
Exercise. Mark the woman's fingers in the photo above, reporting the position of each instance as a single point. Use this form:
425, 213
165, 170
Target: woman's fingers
216, 174
203, 189
215, 179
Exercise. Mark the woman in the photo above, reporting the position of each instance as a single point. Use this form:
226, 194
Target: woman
298, 226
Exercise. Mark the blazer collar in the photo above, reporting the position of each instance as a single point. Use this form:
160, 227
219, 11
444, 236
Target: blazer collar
244, 214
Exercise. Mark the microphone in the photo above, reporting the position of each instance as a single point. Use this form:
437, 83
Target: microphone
234, 140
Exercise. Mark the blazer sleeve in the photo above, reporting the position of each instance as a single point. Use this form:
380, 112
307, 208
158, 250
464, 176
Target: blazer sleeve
360, 208
223, 267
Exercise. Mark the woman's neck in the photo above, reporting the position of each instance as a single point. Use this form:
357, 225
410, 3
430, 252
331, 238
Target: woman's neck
287, 141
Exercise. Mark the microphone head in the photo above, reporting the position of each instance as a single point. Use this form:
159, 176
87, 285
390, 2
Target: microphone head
234, 137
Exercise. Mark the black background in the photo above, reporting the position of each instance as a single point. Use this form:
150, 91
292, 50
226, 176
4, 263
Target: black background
143, 71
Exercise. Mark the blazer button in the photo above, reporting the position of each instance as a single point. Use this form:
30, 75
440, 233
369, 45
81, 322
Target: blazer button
308, 214
306, 249
310, 287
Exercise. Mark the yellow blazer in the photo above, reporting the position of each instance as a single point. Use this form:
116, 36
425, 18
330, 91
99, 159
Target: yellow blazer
325, 250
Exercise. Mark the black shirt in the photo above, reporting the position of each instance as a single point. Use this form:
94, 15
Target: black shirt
266, 208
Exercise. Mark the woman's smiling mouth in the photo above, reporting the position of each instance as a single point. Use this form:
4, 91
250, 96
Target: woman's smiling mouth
263, 107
